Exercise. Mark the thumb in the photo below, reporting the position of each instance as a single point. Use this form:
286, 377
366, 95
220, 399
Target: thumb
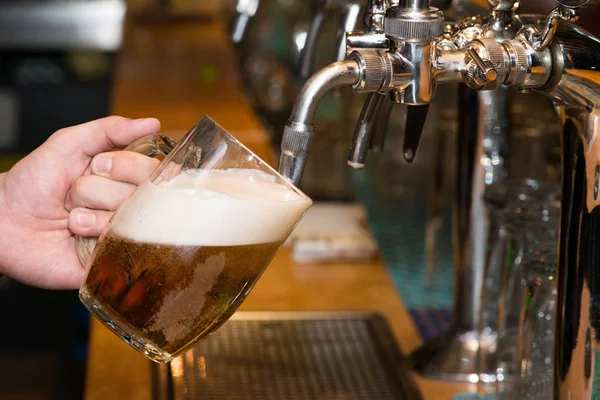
103, 134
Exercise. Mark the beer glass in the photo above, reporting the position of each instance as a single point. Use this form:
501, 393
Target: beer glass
180, 255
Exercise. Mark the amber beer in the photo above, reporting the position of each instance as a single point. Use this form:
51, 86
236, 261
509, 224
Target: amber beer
181, 255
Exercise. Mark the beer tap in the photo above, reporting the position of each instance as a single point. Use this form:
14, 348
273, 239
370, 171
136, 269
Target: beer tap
372, 124
403, 71
551, 56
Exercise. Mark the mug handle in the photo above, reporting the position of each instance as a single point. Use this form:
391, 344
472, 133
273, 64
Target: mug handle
154, 146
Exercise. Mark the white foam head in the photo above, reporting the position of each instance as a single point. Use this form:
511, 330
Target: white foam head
211, 208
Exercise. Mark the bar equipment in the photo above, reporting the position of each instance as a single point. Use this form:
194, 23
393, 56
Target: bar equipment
301, 355
279, 44
268, 54
525, 216
550, 55
57, 62
538, 321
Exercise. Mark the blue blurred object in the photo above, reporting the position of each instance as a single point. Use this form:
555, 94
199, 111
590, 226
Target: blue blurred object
398, 226
475, 396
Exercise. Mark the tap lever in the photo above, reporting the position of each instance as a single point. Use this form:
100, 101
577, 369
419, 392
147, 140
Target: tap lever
380, 126
312, 36
349, 18
487, 71
566, 10
364, 130
415, 121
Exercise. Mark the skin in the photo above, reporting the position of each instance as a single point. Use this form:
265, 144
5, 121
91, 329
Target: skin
68, 186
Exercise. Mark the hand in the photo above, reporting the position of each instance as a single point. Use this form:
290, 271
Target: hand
70, 185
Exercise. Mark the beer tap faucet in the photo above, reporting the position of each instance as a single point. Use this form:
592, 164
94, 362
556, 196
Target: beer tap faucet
372, 124
403, 70
552, 56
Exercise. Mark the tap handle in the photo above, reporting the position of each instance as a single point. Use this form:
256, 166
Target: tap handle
348, 19
415, 121
312, 36
245, 10
364, 130
487, 72
566, 10
380, 126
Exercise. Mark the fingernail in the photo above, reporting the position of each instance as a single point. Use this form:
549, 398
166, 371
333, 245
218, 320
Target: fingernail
85, 218
102, 164
144, 120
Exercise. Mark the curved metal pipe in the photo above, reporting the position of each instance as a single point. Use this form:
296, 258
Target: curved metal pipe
336, 74
298, 131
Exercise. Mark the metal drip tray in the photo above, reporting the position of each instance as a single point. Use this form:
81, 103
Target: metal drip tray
291, 355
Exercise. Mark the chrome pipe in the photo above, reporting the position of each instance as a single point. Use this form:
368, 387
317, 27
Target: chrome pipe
298, 131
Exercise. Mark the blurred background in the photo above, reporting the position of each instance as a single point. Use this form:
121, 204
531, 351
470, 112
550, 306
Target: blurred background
67, 62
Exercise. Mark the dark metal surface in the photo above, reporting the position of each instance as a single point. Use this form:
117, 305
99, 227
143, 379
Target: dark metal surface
292, 355
75, 25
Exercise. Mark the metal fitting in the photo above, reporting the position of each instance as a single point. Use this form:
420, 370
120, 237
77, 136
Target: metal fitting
408, 24
518, 60
487, 68
375, 70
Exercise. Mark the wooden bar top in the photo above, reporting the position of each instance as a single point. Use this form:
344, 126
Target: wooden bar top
160, 75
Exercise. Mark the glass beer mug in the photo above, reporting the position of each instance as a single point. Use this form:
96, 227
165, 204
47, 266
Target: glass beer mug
180, 255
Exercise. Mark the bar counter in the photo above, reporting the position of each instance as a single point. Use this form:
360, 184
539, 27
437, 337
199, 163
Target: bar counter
159, 74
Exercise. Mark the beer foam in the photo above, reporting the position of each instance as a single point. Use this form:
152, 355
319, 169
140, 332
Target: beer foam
211, 208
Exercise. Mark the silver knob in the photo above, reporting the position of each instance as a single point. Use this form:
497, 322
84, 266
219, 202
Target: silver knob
487, 71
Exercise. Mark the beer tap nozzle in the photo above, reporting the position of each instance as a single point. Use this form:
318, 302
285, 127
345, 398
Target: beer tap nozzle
380, 126
412, 26
298, 131
415, 121
363, 134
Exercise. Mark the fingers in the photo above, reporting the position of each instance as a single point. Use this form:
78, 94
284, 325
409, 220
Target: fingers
103, 134
113, 178
98, 192
124, 166
86, 222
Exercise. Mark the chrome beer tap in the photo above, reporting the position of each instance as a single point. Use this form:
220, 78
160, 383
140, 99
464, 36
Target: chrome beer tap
404, 73
411, 28
372, 124
552, 56
467, 351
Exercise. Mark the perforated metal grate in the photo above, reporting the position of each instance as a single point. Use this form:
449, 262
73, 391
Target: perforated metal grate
295, 356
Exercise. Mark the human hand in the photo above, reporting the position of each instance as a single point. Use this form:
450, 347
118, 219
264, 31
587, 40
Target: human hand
68, 186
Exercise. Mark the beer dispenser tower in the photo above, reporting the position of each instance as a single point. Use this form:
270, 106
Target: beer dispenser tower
415, 51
